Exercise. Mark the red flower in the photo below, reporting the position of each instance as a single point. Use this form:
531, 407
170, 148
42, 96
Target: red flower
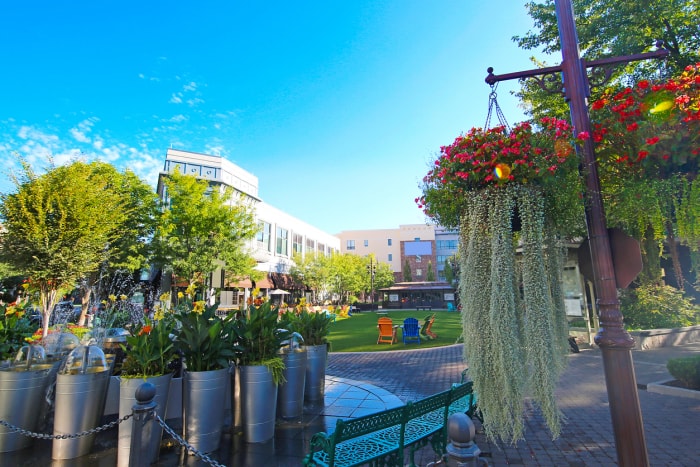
652, 141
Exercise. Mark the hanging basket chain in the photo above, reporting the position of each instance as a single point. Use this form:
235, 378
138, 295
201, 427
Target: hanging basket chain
493, 104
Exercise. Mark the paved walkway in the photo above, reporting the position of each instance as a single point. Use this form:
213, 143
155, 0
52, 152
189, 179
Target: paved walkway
359, 383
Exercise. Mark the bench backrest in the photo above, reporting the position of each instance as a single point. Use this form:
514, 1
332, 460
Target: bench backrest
434, 405
368, 424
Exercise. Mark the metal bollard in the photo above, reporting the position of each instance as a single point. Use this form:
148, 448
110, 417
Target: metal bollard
142, 411
461, 450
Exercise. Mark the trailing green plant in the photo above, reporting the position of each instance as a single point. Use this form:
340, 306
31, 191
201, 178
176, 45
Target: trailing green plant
260, 339
686, 370
313, 327
653, 306
515, 338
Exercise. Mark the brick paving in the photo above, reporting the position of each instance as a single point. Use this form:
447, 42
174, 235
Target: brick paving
671, 422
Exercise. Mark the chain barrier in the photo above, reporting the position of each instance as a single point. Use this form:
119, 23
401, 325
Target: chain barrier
33, 434
185, 444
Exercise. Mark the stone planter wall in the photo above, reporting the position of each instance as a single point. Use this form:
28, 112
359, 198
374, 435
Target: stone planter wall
655, 338
648, 339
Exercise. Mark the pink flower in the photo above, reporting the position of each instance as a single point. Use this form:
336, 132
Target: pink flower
583, 135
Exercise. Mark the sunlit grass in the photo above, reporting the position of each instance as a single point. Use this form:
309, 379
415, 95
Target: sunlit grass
359, 332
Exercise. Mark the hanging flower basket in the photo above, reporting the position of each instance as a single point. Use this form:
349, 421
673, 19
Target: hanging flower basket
491, 183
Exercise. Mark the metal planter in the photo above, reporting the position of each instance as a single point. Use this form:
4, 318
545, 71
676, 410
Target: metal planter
290, 394
80, 401
258, 413
315, 372
203, 400
152, 431
21, 395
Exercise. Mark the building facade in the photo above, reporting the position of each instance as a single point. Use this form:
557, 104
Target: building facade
279, 237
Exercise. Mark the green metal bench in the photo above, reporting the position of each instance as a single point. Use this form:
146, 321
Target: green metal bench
381, 438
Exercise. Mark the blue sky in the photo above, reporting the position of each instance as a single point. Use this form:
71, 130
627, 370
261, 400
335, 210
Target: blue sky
338, 107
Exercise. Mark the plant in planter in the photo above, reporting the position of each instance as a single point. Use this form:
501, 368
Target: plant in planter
15, 329
504, 188
261, 369
150, 353
314, 329
207, 343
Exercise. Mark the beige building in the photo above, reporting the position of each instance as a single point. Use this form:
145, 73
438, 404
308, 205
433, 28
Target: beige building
389, 245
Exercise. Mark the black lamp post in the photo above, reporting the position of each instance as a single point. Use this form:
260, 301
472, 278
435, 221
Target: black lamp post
371, 268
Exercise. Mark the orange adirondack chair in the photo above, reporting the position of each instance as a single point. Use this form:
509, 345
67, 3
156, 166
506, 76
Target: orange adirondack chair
426, 330
387, 331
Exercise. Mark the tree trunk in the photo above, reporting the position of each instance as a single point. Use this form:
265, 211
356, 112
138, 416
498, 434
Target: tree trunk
675, 260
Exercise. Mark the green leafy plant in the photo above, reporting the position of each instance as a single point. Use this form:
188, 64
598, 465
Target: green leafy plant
149, 349
313, 327
260, 339
652, 306
14, 330
205, 340
686, 370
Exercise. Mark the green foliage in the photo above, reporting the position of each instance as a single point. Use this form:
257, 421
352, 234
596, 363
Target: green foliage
608, 28
60, 226
149, 349
652, 306
205, 341
202, 229
430, 274
14, 329
313, 327
407, 271
260, 338
686, 370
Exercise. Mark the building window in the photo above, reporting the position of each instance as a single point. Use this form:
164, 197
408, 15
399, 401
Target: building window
418, 258
390, 257
447, 244
419, 272
264, 236
282, 237
321, 248
366, 243
388, 242
351, 245
417, 239
297, 243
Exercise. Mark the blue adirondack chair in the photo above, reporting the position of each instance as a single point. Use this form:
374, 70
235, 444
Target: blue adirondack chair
410, 331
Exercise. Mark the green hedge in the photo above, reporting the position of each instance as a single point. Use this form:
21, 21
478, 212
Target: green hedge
686, 370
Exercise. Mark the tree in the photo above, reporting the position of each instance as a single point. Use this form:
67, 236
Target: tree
407, 271
430, 274
130, 249
622, 27
203, 228
59, 227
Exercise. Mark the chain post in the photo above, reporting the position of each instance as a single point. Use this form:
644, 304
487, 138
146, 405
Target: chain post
142, 411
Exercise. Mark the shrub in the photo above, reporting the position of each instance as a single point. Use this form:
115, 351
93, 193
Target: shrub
657, 306
686, 370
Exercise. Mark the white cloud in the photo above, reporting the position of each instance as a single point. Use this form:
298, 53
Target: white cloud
179, 118
192, 86
195, 101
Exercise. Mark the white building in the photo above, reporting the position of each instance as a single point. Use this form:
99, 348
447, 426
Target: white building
280, 235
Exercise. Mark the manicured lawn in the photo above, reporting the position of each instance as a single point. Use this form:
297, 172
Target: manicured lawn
358, 333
